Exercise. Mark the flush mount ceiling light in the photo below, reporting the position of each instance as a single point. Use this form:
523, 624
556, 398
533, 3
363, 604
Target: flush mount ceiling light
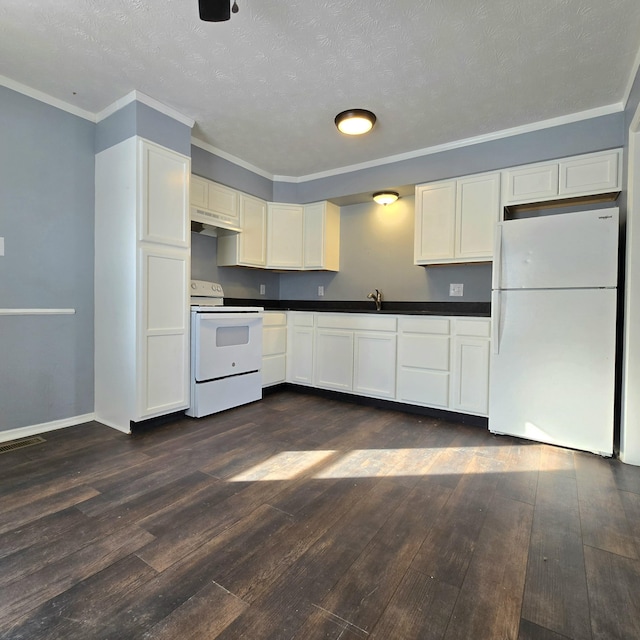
355, 122
216, 10
385, 197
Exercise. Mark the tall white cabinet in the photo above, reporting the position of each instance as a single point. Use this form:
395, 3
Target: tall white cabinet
142, 264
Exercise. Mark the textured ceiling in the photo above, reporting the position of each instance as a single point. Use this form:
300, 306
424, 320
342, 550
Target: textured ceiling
266, 85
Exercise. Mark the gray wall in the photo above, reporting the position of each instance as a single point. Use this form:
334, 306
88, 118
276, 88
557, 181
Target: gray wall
596, 134
46, 218
376, 252
237, 282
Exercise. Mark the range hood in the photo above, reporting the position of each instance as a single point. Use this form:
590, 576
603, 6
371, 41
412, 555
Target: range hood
209, 224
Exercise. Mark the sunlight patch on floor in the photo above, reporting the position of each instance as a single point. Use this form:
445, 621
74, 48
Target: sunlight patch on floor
283, 466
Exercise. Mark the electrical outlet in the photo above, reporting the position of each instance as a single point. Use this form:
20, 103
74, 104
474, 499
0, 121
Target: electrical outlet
320, 291
263, 289
455, 289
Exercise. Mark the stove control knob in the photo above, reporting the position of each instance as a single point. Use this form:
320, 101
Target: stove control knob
194, 285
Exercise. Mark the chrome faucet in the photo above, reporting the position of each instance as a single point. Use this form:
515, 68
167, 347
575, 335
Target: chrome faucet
377, 298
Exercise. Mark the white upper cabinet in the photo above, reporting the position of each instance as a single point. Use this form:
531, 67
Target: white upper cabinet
321, 236
589, 174
285, 227
252, 242
595, 173
303, 237
477, 211
454, 220
249, 247
164, 196
214, 204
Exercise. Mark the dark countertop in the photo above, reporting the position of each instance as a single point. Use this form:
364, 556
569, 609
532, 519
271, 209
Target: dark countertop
472, 309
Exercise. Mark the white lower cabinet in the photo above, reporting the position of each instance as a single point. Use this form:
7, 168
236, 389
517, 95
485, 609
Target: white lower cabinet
470, 381
334, 359
424, 361
356, 353
444, 363
440, 362
374, 372
274, 348
300, 347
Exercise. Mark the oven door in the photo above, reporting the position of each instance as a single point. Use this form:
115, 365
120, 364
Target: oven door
226, 344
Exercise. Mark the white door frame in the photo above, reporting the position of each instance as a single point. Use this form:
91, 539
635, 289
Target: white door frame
630, 418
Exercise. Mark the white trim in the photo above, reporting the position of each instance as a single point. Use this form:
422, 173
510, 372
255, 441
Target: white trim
46, 98
634, 72
457, 144
137, 96
35, 429
629, 438
234, 159
37, 312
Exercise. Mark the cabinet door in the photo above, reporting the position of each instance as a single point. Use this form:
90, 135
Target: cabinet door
435, 222
375, 365
314, 236
223, 201
163, 331
284, 236
300, 355
322, 236
477, 211
470, 379
530, 184
334, 359
594, 173
164, 195
252, 239
199, 191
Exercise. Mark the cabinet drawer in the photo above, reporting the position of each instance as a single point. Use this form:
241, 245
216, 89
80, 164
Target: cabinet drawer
424, 352
356, 322
473, 327
418, 386
302, 319
421, 324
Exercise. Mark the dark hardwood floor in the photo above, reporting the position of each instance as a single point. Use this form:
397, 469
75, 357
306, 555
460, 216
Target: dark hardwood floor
300, 517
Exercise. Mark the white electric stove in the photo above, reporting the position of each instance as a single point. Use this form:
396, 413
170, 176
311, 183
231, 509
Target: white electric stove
226, 351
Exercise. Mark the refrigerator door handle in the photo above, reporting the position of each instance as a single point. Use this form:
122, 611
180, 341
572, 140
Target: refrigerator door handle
495, 322
497, 258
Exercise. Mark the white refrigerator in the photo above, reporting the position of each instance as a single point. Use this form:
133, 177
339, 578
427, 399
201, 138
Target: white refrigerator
554, 329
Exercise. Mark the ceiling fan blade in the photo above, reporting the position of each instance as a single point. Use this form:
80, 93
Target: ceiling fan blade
215, 10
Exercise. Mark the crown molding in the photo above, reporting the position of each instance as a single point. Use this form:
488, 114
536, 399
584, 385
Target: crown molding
458, 144
137, 96
46, 98
201, 144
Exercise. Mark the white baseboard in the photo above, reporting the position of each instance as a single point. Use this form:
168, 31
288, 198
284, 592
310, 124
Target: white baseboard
36, 429
113, 425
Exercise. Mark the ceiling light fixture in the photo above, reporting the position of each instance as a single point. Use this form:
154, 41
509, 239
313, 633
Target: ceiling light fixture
355, 122
386, 197
216, 10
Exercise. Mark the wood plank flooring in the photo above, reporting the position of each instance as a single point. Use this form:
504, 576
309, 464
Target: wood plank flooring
300, 517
